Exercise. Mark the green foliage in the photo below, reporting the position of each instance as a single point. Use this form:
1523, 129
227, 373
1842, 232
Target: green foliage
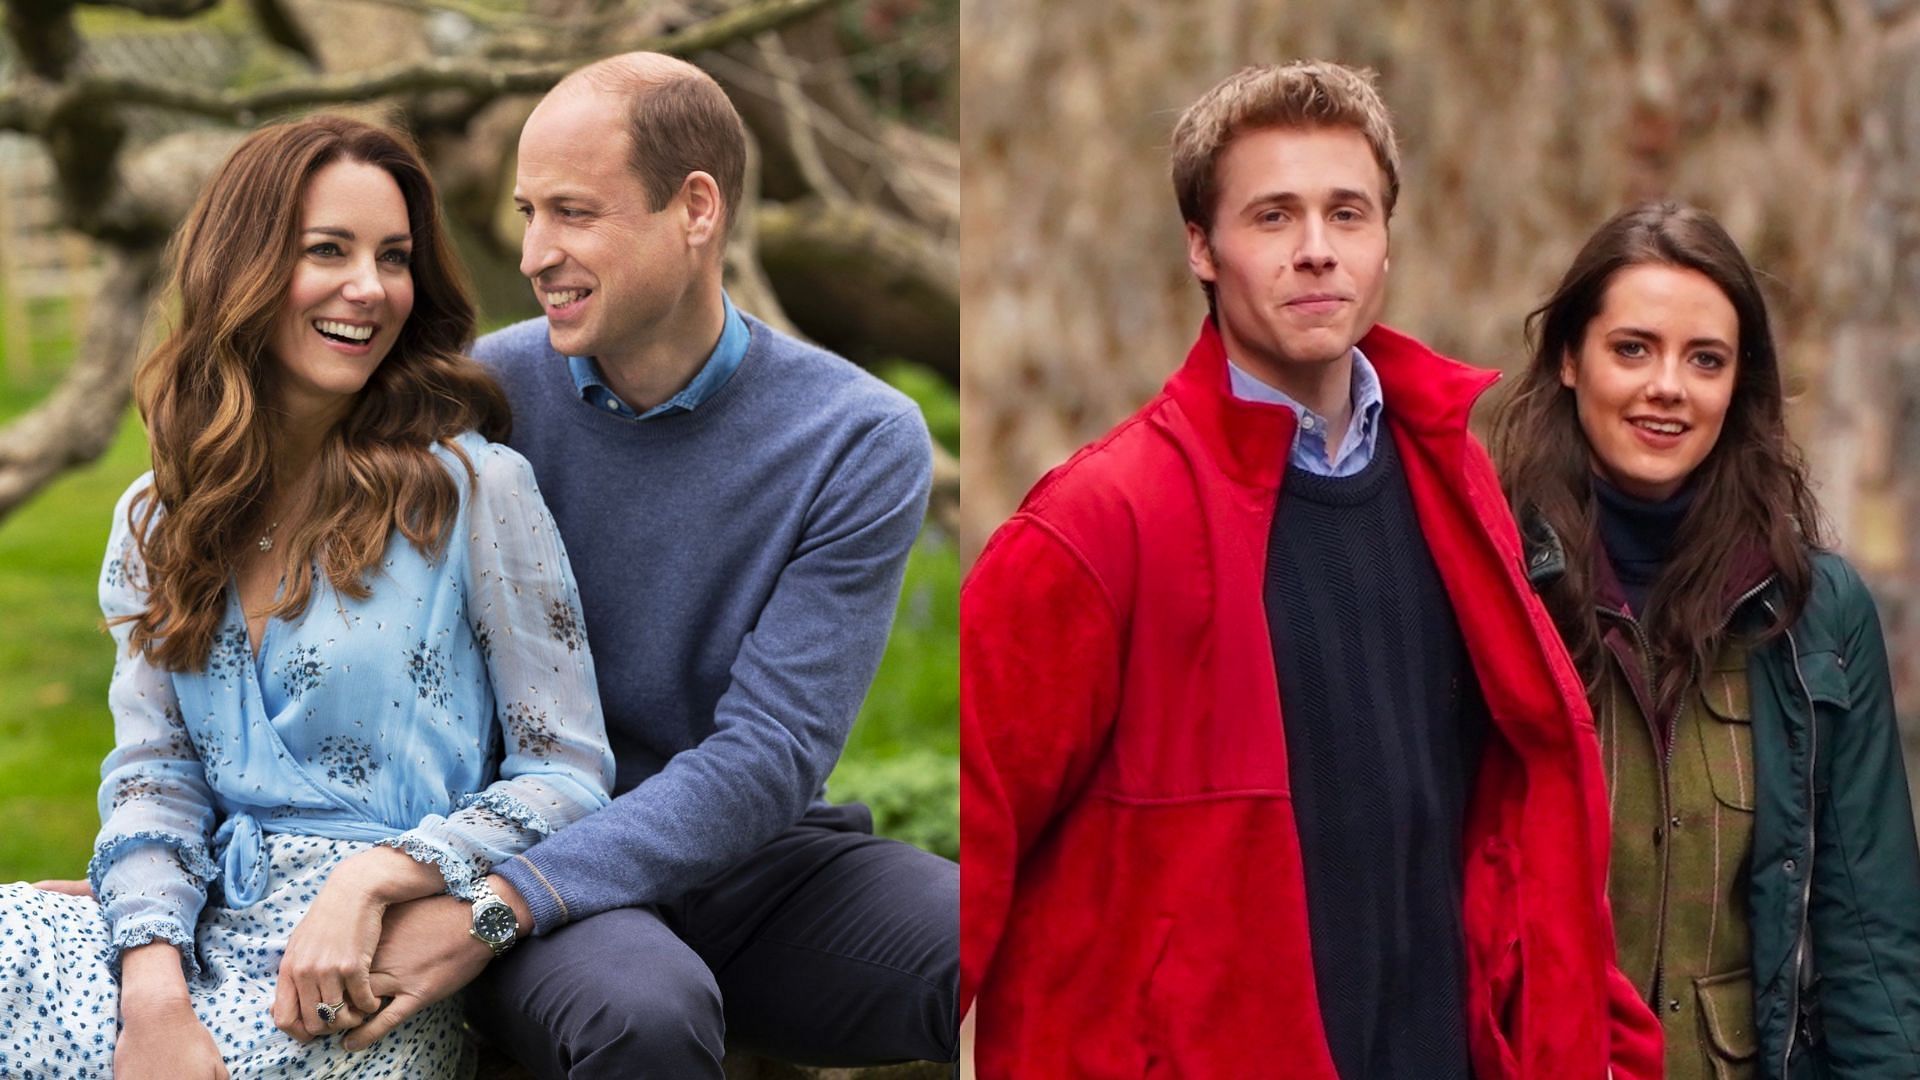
915, 700
902, 758
936, 399
915, 796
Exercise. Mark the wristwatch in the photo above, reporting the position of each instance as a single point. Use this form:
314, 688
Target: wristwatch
494, 924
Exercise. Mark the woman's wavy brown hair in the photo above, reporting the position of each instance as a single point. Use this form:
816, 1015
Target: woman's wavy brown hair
1750, 490
206, 395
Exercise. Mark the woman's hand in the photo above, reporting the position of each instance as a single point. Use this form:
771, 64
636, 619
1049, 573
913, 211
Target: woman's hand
160, 1037
165, 1042
331, 952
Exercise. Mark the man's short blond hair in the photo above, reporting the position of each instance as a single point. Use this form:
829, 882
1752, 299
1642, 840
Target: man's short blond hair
1304, 94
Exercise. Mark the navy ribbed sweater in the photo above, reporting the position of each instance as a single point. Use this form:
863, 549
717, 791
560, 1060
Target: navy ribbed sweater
1382, 746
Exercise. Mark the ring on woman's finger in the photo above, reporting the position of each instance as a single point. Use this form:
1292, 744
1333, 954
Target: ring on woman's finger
329, 1013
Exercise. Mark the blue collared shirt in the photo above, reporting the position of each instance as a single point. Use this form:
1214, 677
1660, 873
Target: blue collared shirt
1310, 439
720, 366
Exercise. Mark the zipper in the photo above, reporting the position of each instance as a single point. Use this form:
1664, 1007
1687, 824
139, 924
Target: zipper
1661, 727
1806, 883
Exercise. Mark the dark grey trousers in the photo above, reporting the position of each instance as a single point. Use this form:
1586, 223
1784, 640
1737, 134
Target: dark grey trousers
828, 946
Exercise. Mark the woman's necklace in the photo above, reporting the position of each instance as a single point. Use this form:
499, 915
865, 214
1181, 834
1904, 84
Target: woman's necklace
265, 543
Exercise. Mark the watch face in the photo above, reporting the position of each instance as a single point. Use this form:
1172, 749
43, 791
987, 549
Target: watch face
494, 922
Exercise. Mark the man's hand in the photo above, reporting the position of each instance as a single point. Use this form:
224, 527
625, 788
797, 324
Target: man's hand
426, 954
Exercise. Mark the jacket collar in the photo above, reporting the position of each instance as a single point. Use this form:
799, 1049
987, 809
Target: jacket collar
1750, 566
1424, 392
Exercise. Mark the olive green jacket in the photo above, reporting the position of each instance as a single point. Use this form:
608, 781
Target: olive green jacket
1834, 883
1835, 872
1680, 786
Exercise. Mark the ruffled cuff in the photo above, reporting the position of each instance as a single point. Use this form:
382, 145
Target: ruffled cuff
508, 806
193, 854
461, 875
144, 931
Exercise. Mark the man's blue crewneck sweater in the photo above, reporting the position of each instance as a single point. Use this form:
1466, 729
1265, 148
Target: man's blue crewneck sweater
738, 566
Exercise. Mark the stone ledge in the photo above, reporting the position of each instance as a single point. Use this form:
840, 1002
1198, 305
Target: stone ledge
494, 1066
740, 1067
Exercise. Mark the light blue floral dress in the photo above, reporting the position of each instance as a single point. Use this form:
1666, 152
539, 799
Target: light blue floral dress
452, 714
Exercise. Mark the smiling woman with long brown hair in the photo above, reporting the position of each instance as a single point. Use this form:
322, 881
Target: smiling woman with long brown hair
1764, 878
345, 430
350, 668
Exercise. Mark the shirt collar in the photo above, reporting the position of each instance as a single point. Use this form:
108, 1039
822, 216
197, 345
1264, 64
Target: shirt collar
1365, 396
720, 365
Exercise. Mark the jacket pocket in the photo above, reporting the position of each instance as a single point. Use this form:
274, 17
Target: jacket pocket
1727, 736
1726, 1011
1495, 961
1153, 1042
1824, 675
1504, 986
1826, 679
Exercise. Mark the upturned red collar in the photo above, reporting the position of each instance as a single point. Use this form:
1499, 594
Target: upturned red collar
1423, 391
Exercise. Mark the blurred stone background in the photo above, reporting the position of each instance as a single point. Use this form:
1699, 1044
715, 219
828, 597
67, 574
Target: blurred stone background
1523, 125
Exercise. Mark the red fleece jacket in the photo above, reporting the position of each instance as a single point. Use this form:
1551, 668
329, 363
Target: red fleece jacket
1132, 902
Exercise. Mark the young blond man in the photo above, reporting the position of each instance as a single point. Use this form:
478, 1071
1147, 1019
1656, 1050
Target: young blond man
1272, 762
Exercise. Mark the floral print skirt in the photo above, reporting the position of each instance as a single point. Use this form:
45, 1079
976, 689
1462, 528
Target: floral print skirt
59, 1004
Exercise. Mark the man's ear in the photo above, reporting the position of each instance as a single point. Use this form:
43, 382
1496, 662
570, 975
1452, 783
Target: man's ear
1200, 253
706, 211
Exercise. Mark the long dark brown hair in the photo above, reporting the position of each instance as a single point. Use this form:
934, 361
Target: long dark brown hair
1751, 489
205, 394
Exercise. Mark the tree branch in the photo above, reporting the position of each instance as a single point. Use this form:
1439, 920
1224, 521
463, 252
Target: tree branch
742, 21
280, 26
78, 422
43, 32
865, 282
821, 133
736, 23
482, 15
745, 279
163, 9
36, 108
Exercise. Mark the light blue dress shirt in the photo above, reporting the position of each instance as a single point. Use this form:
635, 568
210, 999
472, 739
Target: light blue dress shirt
721, 363
1310, 438
452, 714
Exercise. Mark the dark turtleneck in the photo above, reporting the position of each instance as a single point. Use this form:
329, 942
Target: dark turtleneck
1638, 535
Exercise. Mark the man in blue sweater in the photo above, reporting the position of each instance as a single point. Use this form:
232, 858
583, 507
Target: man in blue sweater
737, 507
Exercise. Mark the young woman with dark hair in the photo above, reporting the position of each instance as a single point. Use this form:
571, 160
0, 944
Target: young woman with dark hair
1764, 878
351, 670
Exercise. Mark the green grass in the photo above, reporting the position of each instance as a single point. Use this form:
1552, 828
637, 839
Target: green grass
55, 661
